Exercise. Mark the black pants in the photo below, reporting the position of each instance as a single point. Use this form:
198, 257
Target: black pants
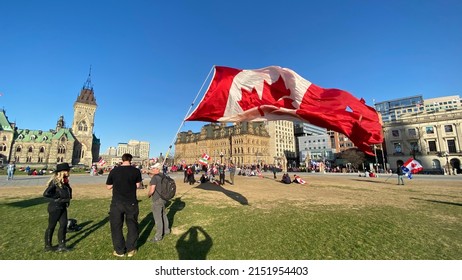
57, 212
222, 179
118, 213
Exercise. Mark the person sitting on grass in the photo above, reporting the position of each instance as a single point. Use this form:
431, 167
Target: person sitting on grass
298, 180
286, 179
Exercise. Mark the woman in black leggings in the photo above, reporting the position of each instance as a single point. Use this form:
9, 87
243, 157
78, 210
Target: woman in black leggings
60, 192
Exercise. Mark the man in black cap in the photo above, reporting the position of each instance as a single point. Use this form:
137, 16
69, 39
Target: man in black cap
59, 190
124, 180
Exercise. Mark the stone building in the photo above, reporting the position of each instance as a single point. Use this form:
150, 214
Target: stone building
45, 148
432, 138
245, 143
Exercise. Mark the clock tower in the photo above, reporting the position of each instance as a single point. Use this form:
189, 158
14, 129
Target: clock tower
86, 147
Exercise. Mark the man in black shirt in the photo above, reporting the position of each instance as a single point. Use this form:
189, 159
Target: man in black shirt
124, 180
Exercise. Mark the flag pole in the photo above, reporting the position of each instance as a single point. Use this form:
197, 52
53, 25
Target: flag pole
187, 113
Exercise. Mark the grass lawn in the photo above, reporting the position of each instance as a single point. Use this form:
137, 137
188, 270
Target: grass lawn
257, 219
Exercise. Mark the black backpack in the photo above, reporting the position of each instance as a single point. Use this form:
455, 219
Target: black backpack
167, 188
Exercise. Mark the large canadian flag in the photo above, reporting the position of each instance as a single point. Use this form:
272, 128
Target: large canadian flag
276, 93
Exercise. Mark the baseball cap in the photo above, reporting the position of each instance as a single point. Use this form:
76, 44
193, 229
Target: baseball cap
157, 166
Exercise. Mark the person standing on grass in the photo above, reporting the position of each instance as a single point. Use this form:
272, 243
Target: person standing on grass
221, 172
232, 171
11, 168
158, 204
59, 190
124, 180
400, 173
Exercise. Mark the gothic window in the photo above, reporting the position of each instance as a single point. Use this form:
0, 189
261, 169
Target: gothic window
16, 159
63, 139
4, 138
83, 126
3, 147
57, 160
61, 149
42, 150
18, 149
28, 159
30, 149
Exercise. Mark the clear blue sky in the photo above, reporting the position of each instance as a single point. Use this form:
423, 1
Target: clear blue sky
150, 58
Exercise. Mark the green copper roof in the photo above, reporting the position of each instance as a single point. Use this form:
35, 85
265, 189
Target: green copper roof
4, 123
39, 136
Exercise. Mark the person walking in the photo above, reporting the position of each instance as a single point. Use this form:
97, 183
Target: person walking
158, 204
124, 180
10, 169
400, 173
60, 193
232, 172
221, 172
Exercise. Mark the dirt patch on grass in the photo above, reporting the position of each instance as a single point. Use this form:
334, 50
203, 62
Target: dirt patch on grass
265, 192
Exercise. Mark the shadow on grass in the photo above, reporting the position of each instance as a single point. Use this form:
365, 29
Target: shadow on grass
208, 186
29, 202
438, 201
194, 244
369, 181
175, 206
146, 225
84, 232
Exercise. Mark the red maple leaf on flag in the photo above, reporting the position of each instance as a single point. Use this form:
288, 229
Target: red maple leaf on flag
273, 94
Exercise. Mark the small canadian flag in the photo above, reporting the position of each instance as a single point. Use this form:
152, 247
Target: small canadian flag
204, 159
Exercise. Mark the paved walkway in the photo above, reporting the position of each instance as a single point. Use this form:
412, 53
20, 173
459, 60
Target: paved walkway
24, 180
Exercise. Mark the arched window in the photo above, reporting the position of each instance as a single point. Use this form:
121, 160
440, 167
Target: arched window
42, 149
18, 149
3, 147
61, 149
4, 138
30, 149
83, 126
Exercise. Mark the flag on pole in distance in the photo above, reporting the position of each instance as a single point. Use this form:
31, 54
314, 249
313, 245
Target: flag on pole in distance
276, 93
204, 159
411, 166
101, 162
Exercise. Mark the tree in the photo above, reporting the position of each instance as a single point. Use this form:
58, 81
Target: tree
353, 156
